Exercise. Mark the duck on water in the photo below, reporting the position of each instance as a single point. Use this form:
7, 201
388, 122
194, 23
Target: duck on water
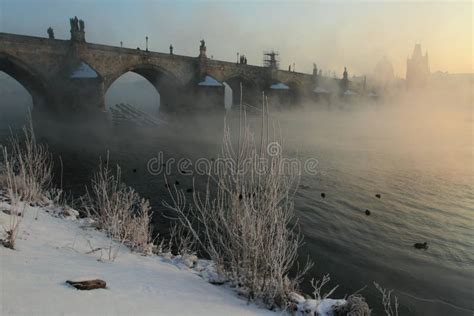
420, 245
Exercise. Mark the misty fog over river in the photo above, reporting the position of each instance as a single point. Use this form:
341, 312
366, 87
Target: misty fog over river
415, 152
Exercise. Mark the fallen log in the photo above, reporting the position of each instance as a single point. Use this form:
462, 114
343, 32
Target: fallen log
88, 284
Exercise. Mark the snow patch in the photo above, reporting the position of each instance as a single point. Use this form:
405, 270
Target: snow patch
279, 86
210, 82
349, 93
320, 90
208, 271
83, 71
324, 307
51, 250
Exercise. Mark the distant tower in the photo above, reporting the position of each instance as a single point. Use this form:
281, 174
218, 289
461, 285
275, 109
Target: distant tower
418, 68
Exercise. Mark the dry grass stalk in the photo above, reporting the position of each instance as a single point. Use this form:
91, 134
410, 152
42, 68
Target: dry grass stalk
245, 219
389, 308
318, 286
28, 169
17, 212
180, 241
119, 211
26, 175
11, 231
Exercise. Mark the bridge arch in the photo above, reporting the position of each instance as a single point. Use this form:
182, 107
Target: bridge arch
153, 73
295, 93
166, 83
285, 94
132, 88
251, 91
33, 82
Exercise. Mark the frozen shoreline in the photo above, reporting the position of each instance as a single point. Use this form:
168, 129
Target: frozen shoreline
54, 246
52, 249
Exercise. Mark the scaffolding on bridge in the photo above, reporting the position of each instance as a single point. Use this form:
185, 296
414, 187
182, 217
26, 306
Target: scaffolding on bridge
271, 59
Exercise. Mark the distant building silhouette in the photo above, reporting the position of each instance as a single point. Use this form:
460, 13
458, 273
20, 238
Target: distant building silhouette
418, 68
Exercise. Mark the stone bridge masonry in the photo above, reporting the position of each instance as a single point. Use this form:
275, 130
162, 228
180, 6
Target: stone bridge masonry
65, 76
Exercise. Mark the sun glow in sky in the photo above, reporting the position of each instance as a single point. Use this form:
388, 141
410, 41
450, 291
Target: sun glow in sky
333, 34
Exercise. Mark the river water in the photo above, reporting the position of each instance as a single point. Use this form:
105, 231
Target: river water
417, 157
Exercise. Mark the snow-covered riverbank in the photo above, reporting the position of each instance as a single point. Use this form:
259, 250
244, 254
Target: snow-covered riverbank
54, 246
51, 249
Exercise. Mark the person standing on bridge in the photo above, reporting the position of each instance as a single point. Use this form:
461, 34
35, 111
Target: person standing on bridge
50, 33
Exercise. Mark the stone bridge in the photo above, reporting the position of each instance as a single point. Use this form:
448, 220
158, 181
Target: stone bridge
74, 75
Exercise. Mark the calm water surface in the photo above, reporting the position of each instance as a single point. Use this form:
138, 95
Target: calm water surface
423, 171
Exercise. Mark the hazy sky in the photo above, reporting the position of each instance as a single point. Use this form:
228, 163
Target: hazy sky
333, 34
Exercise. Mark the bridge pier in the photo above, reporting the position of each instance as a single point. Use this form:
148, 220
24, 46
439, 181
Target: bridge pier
208, 99
80, 96
250, 94
252, 98
70, 103
192, 100
173, 100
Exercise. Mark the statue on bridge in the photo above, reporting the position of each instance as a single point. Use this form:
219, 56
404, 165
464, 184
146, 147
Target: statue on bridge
344, 81
50, 33
74, 24
202, 49
315, 69
315, 75
77, 29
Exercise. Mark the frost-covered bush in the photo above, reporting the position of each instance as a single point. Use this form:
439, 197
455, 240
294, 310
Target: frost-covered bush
25, 176
27, 168
3, 174
245, 220
119, 210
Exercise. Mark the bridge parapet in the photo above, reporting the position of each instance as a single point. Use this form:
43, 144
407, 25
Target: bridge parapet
45, 67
